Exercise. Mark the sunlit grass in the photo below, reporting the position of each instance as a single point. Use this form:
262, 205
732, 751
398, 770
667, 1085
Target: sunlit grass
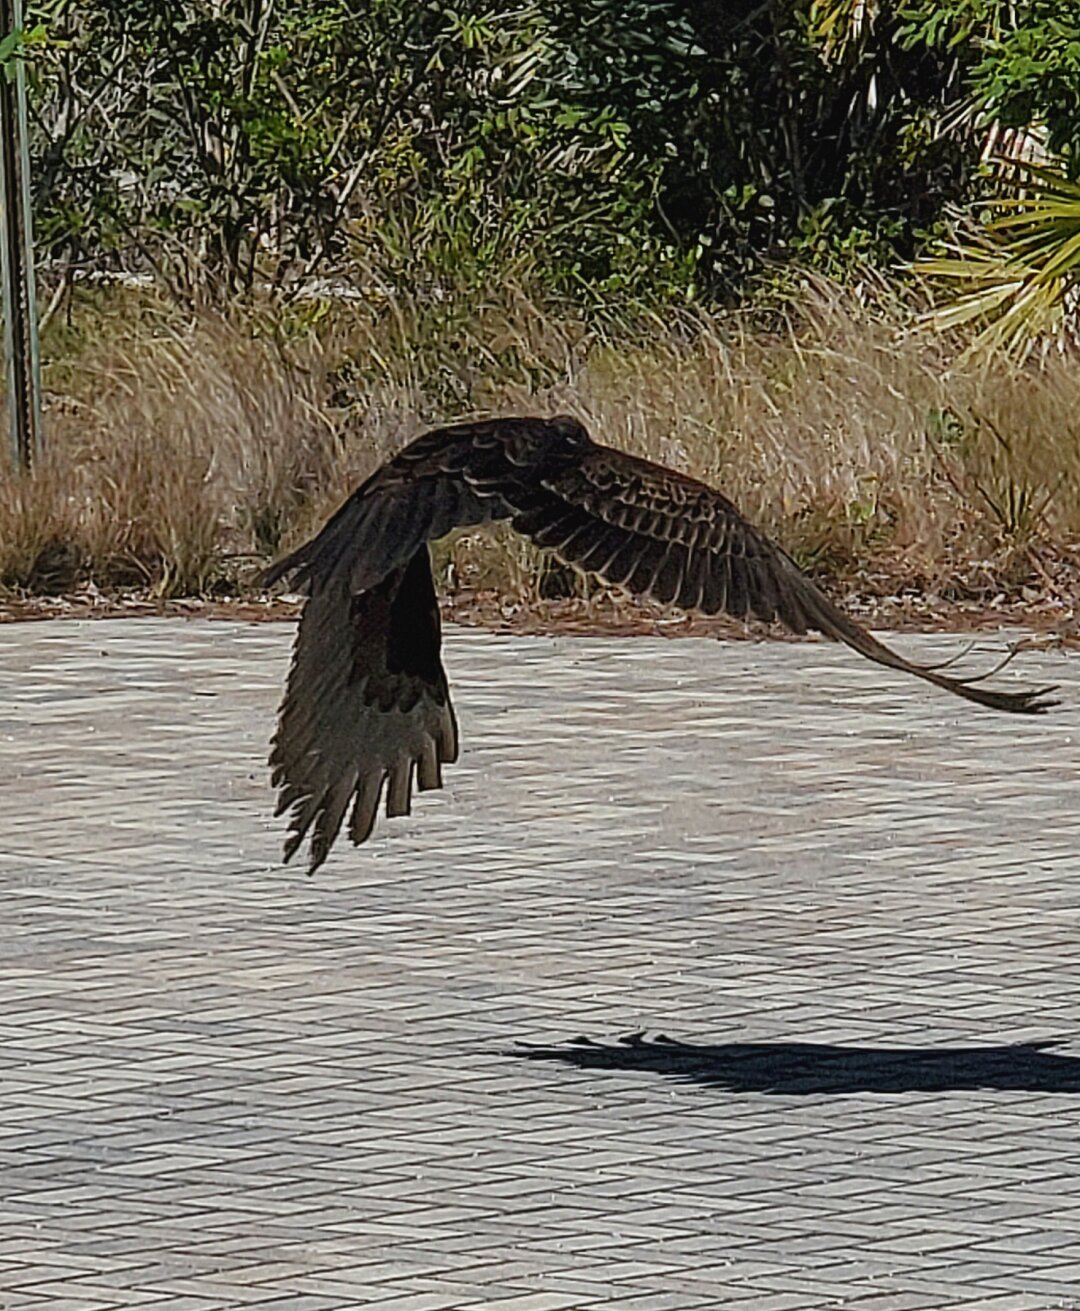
184, 453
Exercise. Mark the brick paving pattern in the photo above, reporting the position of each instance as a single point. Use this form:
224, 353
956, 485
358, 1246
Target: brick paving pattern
722, 975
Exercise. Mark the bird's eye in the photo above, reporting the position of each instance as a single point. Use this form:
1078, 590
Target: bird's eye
570, 430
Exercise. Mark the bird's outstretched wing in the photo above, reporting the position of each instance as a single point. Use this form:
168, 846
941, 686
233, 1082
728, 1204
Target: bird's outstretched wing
660, 534
366, 705
367, 699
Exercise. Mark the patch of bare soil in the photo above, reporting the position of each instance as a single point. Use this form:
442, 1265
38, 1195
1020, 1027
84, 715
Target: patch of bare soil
1050, 620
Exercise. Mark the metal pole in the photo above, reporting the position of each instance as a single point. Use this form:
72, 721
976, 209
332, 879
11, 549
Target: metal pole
21, 347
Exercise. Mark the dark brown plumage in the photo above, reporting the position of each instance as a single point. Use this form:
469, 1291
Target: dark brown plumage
367, 704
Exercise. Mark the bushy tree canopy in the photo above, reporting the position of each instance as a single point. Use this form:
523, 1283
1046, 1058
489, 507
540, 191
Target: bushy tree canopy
609, 144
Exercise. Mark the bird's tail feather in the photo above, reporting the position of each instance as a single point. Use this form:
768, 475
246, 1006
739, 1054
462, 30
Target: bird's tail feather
834, 623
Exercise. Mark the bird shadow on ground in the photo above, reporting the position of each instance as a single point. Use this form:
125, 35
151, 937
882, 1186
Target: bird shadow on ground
809, 1067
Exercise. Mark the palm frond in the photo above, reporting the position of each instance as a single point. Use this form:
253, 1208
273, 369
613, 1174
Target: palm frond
1015, 271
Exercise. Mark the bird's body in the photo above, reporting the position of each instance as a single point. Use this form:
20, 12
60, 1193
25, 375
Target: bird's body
367, 705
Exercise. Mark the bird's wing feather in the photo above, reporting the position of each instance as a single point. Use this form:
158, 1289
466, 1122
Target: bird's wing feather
661, 534
366, 706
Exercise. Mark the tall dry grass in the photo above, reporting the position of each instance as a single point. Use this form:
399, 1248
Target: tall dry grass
184, 453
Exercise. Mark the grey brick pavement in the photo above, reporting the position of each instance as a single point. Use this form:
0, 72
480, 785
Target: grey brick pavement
844, 913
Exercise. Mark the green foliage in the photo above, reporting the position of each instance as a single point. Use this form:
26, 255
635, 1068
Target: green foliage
224, 144
649, 149
1028, 66
812, 137
199, 139
933, 25
1012, 267
516, 169
19, 44
1030, 75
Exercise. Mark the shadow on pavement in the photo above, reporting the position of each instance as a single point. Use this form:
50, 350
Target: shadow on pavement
808, 1067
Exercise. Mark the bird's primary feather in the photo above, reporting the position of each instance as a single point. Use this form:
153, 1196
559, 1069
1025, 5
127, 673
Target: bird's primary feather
367, 706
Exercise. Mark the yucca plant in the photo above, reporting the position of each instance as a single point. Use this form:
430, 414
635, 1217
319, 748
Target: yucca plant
1014, 274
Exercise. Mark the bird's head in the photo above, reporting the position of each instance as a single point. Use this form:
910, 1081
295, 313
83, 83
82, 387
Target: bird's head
568, 430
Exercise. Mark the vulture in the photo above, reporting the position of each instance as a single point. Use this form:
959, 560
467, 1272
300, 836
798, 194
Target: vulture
367, 705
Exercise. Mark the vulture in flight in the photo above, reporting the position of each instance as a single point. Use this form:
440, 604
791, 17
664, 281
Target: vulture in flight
367, 705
